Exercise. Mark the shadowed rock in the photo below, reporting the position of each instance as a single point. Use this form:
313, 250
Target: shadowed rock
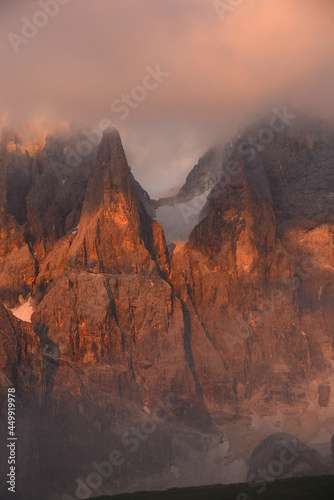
282, 455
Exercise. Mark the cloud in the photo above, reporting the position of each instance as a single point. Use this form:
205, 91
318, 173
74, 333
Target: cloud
222, 73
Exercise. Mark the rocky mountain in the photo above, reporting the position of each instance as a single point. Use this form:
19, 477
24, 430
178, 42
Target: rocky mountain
166, 369
201, 178
41, 201
179, 214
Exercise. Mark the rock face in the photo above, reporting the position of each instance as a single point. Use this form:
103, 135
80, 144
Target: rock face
17, 270
40, 201
115, 232
55, 198
252, 277
18, 345
232, 335
113, 304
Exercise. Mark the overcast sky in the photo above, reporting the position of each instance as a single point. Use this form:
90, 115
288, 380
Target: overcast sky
219, 70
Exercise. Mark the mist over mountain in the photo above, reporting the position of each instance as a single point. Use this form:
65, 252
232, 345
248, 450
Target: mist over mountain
87, 64
209, 345
166, 246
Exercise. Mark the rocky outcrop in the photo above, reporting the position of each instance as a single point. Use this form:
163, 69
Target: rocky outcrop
115, 232
281, 456
19, 344
18, 267
41, 199
17, 270
106, 298
228, 273
149, 204
244, 274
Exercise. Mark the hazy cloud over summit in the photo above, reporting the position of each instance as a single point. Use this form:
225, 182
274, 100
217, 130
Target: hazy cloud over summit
223, 71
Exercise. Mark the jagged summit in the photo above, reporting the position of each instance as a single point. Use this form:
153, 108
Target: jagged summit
111, 172
110, 144
297, 157
113, 218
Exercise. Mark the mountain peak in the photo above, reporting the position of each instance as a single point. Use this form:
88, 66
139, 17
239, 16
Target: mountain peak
110, 146
113, 218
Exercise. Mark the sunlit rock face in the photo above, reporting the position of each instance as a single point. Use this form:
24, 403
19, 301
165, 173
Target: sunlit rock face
115, 232
17, 270
40, 201
112, 304
256, 278
233, 328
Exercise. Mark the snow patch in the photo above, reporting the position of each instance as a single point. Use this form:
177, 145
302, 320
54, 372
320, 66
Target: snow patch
24, 311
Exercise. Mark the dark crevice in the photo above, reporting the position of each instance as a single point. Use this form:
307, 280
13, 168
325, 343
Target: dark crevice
14, 369
29, 242
50, 359
206, 416
113, 310
188, 351
226, 366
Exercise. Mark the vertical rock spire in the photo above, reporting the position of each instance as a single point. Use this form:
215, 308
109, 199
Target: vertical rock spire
115, 232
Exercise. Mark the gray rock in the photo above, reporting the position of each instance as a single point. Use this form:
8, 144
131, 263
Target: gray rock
282, 455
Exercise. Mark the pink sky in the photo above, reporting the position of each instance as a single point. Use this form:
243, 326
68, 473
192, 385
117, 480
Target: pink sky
222, 72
